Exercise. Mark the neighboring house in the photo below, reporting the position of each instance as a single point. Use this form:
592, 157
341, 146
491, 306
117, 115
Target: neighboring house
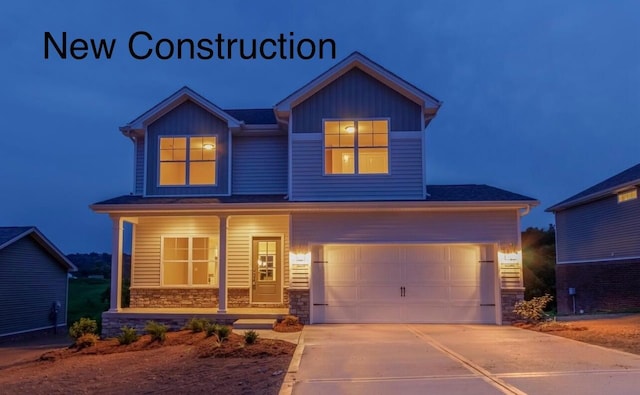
33, 283
598, 247
316, 207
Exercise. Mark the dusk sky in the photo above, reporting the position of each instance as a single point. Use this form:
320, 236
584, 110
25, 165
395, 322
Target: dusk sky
540, 98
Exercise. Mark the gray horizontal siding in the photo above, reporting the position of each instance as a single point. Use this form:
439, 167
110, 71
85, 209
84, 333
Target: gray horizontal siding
30, 282
405, 227
188, 119
603, 229
356, 95
404, 181
139, 165
259, 165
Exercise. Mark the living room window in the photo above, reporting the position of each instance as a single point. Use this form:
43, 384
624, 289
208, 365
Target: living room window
187, 160
189, 260
356, 147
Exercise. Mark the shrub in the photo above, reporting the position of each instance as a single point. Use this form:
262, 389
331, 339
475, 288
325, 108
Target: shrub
86, 340
197, 324
532, 310
211, 329
157, 331
290, 320
82, 327
223, 332
127, 335
251, 336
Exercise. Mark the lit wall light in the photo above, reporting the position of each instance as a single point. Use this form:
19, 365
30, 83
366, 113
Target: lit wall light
508, 253
300, 258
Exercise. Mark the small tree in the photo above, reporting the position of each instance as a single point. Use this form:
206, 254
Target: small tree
532, 310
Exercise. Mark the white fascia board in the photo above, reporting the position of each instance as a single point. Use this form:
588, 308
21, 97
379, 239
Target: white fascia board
594, 196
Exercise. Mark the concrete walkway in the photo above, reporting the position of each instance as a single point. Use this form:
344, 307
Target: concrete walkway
456, 359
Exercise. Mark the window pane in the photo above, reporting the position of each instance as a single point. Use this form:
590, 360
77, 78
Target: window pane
180, 143
200, 275
166, 154
373, 161
347, 127
172, 173
332, 140
365, 140
365, 127
381, 126
195, 154
200, 242
347, 139
339, 161
380, 140
175, 273
331, 127
202, 173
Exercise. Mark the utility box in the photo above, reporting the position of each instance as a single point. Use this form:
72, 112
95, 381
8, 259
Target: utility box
572, 291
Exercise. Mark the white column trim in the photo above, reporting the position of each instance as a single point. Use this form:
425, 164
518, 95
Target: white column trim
222, 264
116, 264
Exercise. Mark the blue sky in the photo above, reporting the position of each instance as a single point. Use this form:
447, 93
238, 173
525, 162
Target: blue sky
540, 98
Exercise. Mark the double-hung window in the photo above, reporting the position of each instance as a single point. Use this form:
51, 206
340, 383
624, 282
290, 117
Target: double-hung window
189, 260
356, 147
187, 160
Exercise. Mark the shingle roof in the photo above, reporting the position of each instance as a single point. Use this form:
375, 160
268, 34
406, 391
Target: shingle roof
437, 193
11, 232
626, 177
255, 116
472, 193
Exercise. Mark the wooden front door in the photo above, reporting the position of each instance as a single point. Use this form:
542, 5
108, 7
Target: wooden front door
267, 270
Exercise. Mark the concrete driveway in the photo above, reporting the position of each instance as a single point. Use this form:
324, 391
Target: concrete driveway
456, 359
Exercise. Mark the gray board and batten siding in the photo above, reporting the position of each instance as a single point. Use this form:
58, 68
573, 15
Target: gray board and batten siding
259, 165
188, 119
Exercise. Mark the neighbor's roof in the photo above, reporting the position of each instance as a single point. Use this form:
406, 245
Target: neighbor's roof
11, 234
620, 181
437, 193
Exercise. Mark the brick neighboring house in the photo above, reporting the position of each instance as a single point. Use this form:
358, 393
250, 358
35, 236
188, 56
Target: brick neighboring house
317, 206
598, 246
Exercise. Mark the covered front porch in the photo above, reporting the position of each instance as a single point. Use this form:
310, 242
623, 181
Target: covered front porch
219, 266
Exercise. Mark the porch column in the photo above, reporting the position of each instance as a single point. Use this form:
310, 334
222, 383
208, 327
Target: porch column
116, 264
222, 265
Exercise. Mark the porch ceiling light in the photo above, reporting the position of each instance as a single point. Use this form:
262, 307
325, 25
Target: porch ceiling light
208, 146
350, 129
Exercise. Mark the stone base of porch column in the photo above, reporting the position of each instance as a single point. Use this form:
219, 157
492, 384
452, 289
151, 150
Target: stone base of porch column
299, 304
509, 298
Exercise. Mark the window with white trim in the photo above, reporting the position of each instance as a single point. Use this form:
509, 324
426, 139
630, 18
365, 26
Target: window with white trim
356, 147
187, 160
625, 196
189, 260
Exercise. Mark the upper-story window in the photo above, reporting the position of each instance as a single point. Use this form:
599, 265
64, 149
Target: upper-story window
627, 195
187, 160
356, 147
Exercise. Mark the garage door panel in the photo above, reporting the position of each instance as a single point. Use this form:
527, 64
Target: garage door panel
421, 273
442, 284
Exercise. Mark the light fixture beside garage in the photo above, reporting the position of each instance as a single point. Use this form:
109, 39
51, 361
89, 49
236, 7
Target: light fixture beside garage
509, 254
300, 257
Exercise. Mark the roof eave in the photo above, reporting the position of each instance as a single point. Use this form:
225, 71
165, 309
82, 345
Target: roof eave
46, 244
591, 197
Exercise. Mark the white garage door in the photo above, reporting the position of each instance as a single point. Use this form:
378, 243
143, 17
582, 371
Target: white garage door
403, 283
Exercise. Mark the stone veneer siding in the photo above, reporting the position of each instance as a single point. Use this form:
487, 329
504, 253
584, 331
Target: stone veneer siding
600, 286
112, 324
173, 297
299, 304
509, 297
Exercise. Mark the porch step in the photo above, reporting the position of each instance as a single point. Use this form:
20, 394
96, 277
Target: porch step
254, 323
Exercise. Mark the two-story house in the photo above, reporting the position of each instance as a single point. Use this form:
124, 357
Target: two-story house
598, 247
316, 207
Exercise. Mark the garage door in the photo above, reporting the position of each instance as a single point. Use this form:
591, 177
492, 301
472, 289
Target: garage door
403, 283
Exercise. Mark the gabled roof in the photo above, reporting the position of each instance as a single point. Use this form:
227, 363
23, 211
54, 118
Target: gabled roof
429, 103
617, 183
11, 234
180, 96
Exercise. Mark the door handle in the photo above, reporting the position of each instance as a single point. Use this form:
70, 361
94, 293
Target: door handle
402, 292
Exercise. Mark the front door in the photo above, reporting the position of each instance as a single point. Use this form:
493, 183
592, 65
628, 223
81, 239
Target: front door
267, 270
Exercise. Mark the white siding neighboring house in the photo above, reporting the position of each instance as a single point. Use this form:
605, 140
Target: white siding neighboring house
33, 283
316, 207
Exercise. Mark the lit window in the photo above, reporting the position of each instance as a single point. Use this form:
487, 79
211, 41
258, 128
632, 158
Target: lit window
356, 147
625, 196
187, 160
189, 261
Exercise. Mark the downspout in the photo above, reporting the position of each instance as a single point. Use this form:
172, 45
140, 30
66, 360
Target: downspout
525, 211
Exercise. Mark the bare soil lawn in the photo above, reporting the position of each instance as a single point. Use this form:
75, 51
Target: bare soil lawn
185, 363
621, 332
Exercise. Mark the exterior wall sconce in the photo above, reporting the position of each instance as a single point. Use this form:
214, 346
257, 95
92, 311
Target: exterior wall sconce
300, 258
509, 254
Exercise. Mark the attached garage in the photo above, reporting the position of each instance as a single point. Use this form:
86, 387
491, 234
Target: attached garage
413, 283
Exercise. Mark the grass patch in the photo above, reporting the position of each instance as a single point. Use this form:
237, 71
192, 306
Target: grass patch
85, 300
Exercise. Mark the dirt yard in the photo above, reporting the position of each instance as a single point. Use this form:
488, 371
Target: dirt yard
621, 332
184, 363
